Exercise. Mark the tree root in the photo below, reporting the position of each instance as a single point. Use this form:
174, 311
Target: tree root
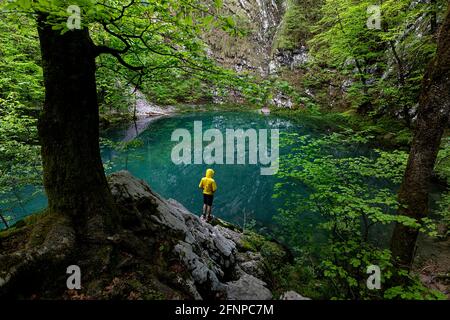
38, 256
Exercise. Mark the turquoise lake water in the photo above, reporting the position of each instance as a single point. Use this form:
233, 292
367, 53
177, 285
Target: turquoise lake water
243, 193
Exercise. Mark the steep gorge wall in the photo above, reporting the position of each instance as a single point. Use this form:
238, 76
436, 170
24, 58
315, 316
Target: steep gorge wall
276, 32
260, 20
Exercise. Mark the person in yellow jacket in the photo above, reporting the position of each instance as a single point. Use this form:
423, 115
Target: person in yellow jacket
209, 187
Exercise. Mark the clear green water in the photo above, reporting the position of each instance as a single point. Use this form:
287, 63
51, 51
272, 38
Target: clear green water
243, 193
242, 190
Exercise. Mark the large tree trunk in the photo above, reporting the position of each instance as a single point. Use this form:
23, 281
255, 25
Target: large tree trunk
433, 116
74, 178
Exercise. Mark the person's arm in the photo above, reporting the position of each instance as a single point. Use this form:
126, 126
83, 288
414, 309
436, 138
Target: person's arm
201, 184
214, 186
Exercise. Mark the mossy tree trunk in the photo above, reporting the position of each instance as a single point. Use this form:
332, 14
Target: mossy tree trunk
433, 116
74, 178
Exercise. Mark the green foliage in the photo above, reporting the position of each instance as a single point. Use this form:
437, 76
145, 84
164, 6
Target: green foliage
385, 66
342, 34
160, 46
443, 171
272, 252
296, 22
443, 213
443, 160
20, 60
114, 95
19, 155
21, 98
274, 259
346, 215
302, 277
416, 291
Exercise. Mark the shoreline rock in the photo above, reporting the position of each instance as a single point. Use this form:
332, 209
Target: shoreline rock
159, 250
208, 253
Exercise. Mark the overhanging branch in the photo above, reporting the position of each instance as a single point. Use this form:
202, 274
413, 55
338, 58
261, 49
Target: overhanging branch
117, 54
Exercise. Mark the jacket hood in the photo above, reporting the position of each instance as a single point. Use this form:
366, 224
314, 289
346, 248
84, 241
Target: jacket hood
209, 173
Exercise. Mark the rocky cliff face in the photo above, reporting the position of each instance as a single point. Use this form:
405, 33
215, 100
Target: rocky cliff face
276, 35
253, 51
209, 260
274, 44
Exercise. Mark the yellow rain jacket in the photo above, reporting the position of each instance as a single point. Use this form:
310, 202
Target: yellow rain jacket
208, 184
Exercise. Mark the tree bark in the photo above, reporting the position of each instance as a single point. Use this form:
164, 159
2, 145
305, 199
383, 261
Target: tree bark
433, 18
433, 116
74, 178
